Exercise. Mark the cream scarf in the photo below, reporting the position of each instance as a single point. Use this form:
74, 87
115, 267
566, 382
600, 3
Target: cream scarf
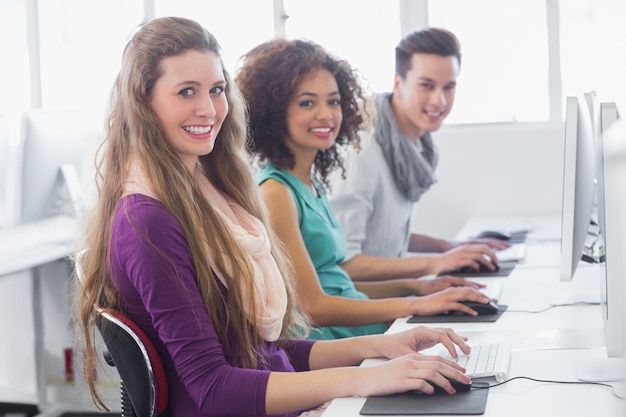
251, 235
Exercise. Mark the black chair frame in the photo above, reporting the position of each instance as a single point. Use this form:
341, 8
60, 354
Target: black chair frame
143, 385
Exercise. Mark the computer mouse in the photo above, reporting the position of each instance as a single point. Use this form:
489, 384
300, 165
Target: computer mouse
458, 386
480, 308
495, 234
481, 268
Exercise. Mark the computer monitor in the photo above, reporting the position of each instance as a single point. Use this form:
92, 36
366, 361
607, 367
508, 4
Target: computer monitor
4, 167
610, 153
612, 278
52, 153
607, 116
578, 185
593, 104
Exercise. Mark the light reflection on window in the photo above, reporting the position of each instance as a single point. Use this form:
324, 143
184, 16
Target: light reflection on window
364, 32
593, 49
238, 25
14, 73
81, 49
504, 74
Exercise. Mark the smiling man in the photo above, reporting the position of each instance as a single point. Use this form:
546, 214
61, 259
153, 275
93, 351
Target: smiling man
396, 165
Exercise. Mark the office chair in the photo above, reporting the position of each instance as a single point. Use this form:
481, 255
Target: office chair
18, 409
143, 384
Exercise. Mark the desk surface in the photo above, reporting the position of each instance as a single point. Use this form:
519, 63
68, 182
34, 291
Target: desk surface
529, 291
33, 244
545, 345
524, 398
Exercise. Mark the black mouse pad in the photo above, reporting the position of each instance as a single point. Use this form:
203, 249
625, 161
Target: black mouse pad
504, 271
472, 402
460, 318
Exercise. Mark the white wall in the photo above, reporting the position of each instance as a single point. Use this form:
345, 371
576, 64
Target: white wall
513, 170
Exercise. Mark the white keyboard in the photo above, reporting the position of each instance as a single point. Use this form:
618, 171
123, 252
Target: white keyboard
515, 252
485, 360
492, 290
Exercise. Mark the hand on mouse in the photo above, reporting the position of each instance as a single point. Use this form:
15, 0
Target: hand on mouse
471, 255
429, 286
495, 244
456, 386
412, 372
446, 300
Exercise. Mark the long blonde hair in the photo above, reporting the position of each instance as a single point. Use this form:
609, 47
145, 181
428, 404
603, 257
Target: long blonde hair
133, 132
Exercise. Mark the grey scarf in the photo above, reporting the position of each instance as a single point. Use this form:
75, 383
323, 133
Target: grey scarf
412, 165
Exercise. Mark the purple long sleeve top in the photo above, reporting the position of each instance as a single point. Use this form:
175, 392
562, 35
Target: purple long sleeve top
158, 290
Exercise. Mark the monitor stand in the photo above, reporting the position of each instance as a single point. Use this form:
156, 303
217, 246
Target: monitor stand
67, 193
609, 370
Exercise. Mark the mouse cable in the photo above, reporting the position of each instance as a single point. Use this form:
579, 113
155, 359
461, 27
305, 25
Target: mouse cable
550, 381
551, 306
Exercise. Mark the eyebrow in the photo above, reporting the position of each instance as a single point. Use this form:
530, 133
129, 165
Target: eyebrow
334, 93
434, 82
196, 83
181, 83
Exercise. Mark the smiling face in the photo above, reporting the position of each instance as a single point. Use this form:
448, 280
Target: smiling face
189, 100
423, 99
314, 114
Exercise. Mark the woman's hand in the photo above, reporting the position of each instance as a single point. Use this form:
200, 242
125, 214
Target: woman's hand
449, 299
496, 244
471, 255
429, 286
410, 372
419, 338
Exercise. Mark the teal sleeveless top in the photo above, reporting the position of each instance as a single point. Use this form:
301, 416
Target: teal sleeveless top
326, 243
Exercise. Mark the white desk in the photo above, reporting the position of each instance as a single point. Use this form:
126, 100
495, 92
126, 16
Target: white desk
526, 291
546, 345
522, 398
29, 247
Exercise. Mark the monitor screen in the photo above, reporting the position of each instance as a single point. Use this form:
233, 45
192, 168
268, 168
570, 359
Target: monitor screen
578, 185
52, 152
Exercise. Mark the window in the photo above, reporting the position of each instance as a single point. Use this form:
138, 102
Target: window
364, 32
504, 70
81, 49
510, 70
593, 49
14, 73
238, 25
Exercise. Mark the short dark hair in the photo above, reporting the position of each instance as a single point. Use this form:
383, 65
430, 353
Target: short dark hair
435, 41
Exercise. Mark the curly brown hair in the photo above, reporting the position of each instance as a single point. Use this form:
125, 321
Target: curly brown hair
270, 74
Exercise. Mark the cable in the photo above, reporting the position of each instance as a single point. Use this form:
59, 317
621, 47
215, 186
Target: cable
578, 303
550, 381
